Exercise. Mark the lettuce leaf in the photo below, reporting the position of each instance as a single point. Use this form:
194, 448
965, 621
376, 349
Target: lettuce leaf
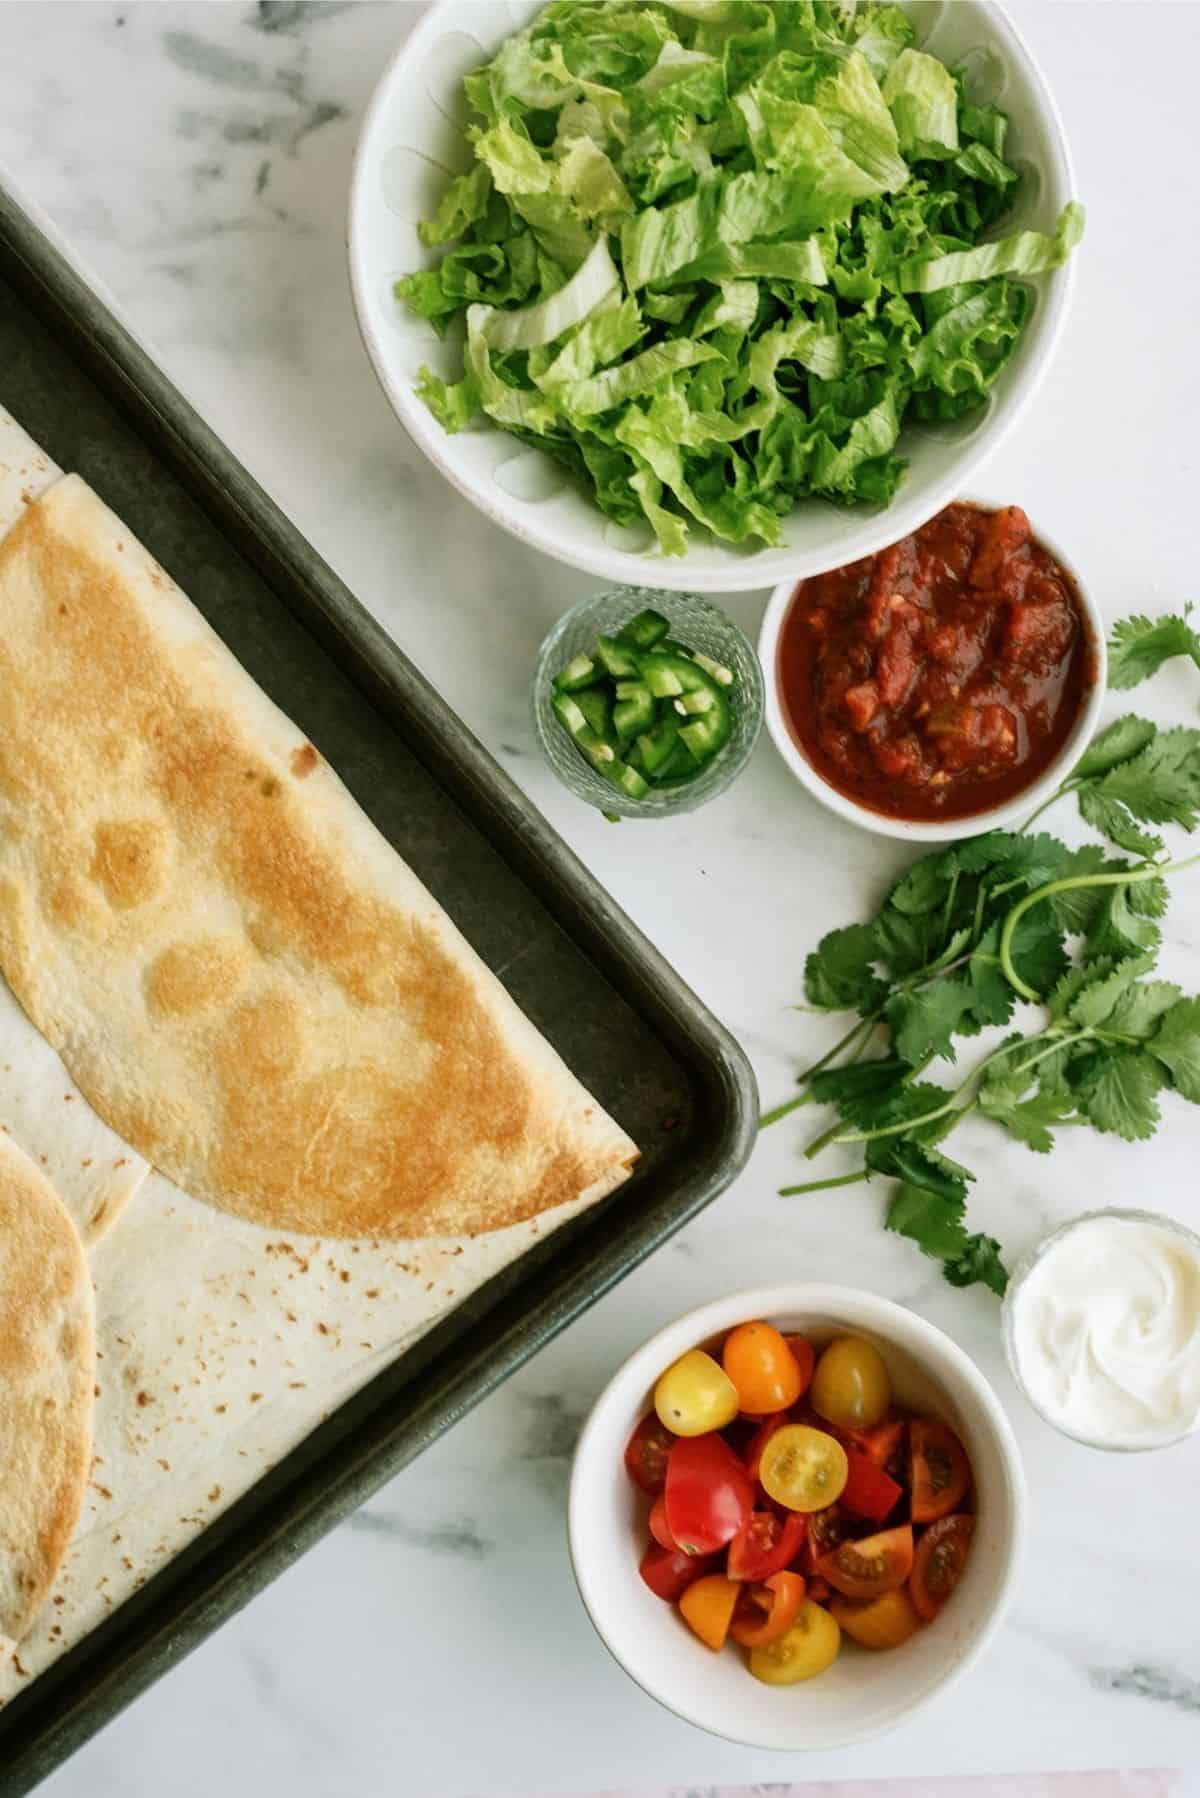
712, 255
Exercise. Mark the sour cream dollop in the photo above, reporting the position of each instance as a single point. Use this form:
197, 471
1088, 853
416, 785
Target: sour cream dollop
1104, 1330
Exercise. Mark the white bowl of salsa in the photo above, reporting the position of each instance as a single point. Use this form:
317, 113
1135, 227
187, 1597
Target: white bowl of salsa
945, 685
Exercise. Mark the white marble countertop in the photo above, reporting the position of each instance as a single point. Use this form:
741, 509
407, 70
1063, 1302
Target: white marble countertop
196, 155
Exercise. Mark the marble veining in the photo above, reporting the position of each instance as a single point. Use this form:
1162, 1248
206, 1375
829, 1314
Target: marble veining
196, 156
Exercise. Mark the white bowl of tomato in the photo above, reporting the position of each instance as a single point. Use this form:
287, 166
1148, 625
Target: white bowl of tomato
945, 685
796, 1515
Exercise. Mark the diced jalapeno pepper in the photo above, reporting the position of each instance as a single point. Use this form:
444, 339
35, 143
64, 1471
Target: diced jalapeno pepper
580, 671
644, 631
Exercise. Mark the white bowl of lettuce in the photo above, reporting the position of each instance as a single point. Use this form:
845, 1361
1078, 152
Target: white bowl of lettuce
710, 294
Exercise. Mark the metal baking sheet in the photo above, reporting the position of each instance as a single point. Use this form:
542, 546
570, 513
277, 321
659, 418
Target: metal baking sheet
614, 1008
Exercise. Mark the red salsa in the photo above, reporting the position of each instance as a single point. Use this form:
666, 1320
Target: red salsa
940, 677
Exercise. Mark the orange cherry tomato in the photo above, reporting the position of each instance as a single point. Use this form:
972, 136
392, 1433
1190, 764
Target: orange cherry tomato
883, 1622
707, 1608
940, 1558
768, 1611
762, 1367
876, 1564
941, 1472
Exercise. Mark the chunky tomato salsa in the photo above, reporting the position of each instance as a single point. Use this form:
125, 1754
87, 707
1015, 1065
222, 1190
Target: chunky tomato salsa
941, 676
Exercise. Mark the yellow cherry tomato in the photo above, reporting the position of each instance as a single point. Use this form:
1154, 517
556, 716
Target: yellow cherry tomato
707, 1607
695, 1395
803, 1468
808, 1648
763, 1368
851, 1387
883, 1622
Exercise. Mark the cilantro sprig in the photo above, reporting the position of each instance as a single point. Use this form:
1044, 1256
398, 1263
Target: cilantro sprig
1004, 918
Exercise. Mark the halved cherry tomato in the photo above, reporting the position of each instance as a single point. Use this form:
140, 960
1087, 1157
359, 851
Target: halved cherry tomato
827, 1530
850, 1387
660, 1529
708, 1494
669, 1572
884, 1444
940, 1558
883, 1622
941, 1472
768, 1611
805, 1356
766, 1544
803, 1468
646, 1454
695, 1395
707, 1608
870, 1492
762, 1367
874, 1565
807, 1649
752, 1453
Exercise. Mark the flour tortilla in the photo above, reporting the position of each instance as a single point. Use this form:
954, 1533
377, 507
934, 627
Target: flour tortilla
47, 1377
245, 980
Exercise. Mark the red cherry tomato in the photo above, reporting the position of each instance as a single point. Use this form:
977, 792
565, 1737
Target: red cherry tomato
753, 1451
768, 1611
709, 1496
660, 1529
941, 1472
884, 1444
646, 1454
869, 1492
806, 1359
875, 1564
938, 1563
669, 1572
766, 1544
827, 1530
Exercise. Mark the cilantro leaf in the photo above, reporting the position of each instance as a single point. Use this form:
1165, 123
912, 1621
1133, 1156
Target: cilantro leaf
1037, 948
1176, 1044
1102, 991
860, 1089
839, 973
993, 999
1063, 996
924, 887
923, 1023
1076, 908
1160, 785
1111, 819
1138, 1010
1139, 646
1117, 930
936, 1225
1124, 738
904, 1158
980, 1262
1117, 1090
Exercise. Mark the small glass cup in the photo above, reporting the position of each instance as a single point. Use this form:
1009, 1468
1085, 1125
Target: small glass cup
693, 621
1025, 1266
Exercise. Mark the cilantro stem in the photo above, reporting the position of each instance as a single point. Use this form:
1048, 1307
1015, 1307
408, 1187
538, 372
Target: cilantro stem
1152, 871
975, 1077
781, 1111
791, 1192
1059, 793
863, 1031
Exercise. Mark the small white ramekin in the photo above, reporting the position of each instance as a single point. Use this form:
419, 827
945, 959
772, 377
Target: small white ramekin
927, 830
1009, 1315
862, 1694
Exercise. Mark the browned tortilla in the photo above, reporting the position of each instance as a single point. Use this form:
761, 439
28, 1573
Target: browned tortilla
242, 977
47, 1375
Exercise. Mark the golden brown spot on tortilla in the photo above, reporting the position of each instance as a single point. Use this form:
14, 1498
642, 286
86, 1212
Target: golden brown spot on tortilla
130, 861
303, 760
260, 1045
197, 974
